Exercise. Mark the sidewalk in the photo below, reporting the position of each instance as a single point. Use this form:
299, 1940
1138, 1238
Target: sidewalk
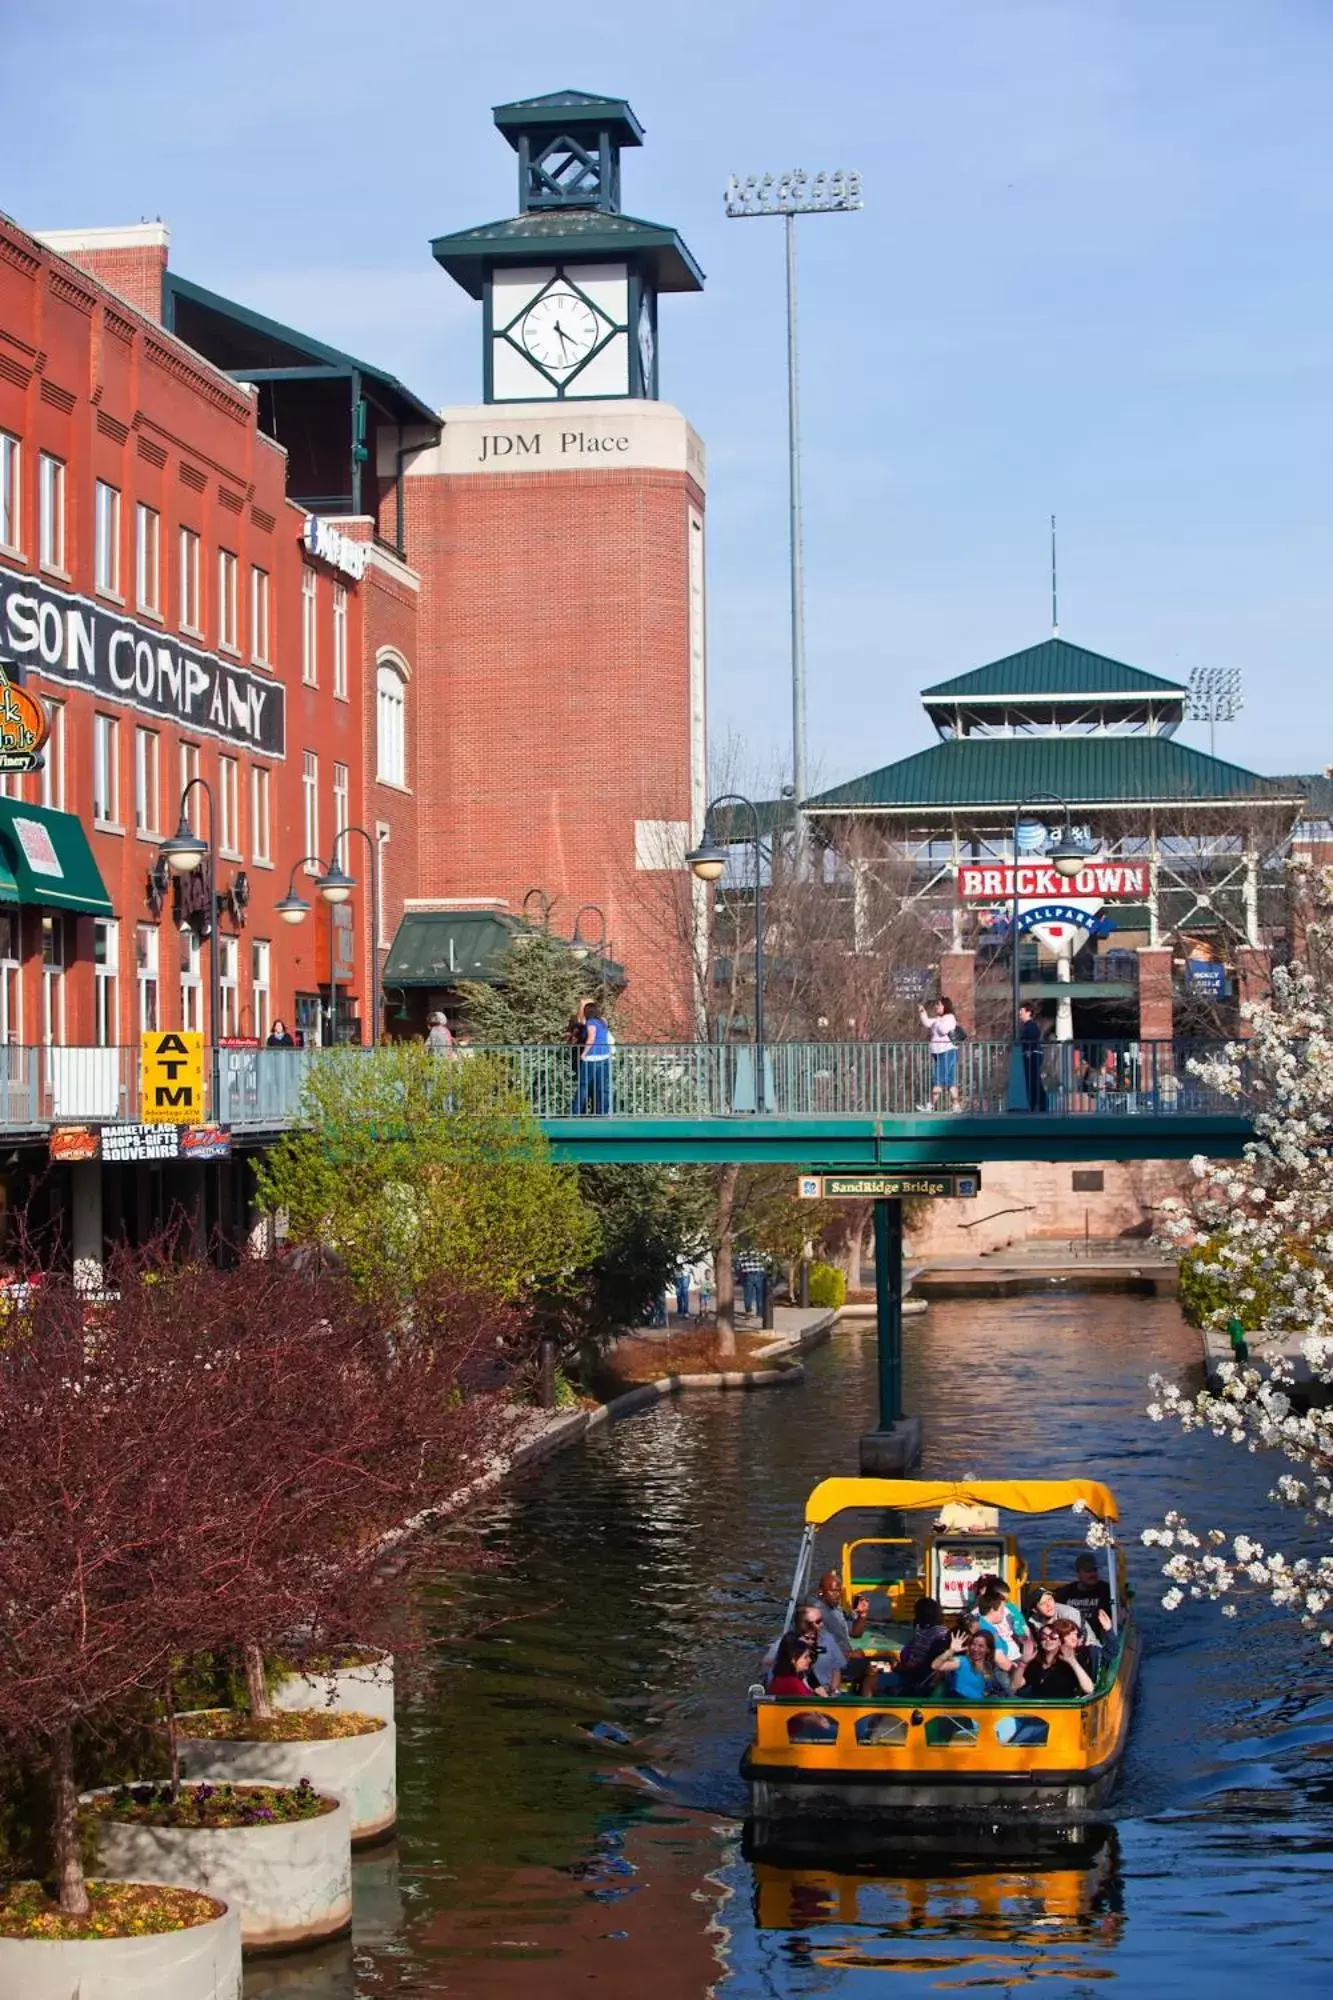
1037, 1266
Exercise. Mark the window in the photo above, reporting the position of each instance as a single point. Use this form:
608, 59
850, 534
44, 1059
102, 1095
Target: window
229, 805
147, 781
147, 947
106, 771
340, 812
10, 495
309, 628
11, 979
229, 616
148, 558
259, 838
340, 641
192, 984
261, 957
310, 801
106, 539
53, 770
189, 771
391, 725
53, 979
189, 560
382, 832
259, 615
51, 512
106, 961
227, 992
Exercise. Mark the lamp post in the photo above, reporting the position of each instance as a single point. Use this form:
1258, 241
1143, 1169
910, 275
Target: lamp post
707, 863
790, 195
545, 904
294, 909
336, 887
581, 947
183, 852
1067, 858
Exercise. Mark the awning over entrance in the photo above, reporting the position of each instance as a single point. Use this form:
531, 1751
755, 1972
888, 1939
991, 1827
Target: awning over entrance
45, 859
437, 948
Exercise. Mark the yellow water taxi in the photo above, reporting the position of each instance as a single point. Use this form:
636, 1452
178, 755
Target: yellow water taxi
901, 1757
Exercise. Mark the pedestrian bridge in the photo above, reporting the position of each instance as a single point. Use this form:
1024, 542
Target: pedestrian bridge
822, 1105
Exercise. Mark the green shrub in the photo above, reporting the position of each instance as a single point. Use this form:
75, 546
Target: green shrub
1210, 1298
828, 1286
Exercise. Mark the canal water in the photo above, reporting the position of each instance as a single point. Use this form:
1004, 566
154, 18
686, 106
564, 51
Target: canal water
571, 1816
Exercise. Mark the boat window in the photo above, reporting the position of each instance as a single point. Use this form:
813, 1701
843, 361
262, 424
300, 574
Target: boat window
1022, 1732
872, 1567
953, 1732
808, 1727
881, 1729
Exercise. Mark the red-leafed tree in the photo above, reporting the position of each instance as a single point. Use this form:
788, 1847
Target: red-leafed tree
207, 1460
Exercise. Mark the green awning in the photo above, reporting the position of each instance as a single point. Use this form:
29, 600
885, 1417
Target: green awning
45, 859
437, 948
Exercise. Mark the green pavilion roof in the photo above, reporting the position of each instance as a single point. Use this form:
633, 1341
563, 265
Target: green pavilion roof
1053, 668
1002, 771
567, 233
564, 109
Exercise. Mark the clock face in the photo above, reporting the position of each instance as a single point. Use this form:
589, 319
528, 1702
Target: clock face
646, 345
560, 331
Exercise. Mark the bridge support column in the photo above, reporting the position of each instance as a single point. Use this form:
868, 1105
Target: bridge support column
894, 1446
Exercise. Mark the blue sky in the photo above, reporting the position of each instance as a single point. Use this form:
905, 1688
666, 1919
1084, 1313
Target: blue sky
1092, 275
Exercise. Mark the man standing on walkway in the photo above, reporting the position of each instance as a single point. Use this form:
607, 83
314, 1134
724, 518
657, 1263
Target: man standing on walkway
752, 1269
1030, 1042
594, 1060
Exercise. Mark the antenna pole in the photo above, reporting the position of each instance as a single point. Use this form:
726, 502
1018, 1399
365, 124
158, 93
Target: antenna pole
1055, 596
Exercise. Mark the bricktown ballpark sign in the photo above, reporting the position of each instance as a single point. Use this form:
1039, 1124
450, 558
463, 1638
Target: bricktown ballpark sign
71, 639
980, 882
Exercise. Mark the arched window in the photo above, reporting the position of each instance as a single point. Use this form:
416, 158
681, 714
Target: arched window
391, 721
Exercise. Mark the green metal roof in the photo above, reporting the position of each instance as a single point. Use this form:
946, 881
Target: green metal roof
566, 233
1053, 668
439, 947
1085, 770
45, 861
565, 108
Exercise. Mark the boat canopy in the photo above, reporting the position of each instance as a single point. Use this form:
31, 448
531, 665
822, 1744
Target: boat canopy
1020, 1496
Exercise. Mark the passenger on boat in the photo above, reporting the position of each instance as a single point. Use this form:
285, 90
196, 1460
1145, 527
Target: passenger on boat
827, 1659
791, 1676
915, 1669
969, 1661
1005, 1623
1057, 1673
843, 1631
1041, 1607
1087, 1593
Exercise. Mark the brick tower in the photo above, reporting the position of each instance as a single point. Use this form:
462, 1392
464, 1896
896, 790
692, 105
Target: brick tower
558, 528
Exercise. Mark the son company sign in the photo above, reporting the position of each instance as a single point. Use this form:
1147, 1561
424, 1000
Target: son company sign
72, 639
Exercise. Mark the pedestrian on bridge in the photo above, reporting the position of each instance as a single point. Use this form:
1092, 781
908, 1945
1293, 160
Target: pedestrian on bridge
941, 1025
593, 1092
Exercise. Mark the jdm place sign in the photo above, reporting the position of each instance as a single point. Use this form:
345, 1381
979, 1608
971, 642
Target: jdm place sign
947, 1184
24, 727
996, 882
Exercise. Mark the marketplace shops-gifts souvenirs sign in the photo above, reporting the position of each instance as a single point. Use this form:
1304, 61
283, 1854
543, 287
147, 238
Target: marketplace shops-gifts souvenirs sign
136, 1145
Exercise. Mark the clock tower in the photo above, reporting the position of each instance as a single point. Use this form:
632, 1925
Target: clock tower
558, 531
569, 286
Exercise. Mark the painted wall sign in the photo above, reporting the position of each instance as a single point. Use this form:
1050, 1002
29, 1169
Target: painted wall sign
24, 728
335, 548
72, 639
950, 1184
171, 1077
991, 882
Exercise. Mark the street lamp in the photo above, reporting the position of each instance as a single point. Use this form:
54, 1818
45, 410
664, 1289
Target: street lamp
707, 862
184, 851
545, 904
294, 909
790, 195
1067, 858
335, 886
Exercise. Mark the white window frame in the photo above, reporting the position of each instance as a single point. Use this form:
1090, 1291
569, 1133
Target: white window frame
147, 781
192, 982
383, 835
261, 792
51, 512
229, 983
106, 930
340, 642
53, 770
261, 986
229, 806
106, 540
229, 601
309, 627
106, 769
342, 794
53, 979
391, 722
310, 809
190, 557
148, 559
11, 493
260, 605
11, 978
148, 975
187, 763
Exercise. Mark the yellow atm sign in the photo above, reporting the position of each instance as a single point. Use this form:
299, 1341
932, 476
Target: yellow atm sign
171, 1077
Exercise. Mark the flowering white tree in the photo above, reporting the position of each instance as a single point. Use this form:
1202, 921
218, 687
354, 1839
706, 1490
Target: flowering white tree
1262, 1229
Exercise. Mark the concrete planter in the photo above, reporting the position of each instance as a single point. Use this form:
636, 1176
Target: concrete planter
360, 1769
291, 1884
364, 1690
203, 1963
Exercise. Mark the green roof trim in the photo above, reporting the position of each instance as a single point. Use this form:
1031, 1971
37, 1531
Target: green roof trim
250, 340
567, 234
564, 109
1001, 771
1052, 669
46, 862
